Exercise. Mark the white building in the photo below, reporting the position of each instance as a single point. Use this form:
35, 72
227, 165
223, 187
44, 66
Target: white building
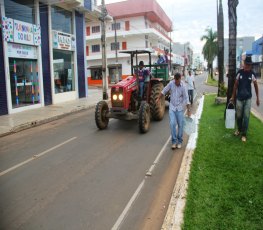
139, 25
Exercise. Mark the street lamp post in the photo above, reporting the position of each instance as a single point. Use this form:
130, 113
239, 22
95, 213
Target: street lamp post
104, 13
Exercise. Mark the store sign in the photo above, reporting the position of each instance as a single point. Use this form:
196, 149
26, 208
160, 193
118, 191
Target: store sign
63, 41
21, 51
21, 32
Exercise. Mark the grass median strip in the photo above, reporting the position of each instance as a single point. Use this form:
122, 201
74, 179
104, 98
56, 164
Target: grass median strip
226, 180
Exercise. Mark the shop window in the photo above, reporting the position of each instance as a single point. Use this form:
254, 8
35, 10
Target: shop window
113, 46
61, 20
95, 29
64, 79
96, 73
95, 48
24, 82
20, 10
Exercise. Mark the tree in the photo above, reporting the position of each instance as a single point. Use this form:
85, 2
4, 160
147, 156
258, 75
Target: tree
210, 48
220, 29
232, 15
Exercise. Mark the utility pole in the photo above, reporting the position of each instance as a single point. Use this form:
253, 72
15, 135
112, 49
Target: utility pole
220, 41
116, 53
170, 52
104, 13
184, 62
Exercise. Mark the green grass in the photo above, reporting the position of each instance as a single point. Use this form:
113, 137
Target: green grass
226, 179
211, 81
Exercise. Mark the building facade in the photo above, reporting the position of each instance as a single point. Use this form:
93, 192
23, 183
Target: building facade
186, 51
257, 56
42, 49
138, 25
242, 44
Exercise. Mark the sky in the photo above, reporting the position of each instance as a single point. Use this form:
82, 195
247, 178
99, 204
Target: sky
191, 17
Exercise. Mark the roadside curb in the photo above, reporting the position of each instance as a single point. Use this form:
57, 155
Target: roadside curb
257, 114
174, 215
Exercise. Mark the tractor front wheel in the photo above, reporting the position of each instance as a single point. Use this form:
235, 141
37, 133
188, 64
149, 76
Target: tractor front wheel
144, 117
101, 119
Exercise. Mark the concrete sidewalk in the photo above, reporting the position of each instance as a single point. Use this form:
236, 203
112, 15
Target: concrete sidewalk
19, 121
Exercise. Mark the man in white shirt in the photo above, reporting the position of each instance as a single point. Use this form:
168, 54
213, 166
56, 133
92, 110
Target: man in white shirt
179, 99
190, 81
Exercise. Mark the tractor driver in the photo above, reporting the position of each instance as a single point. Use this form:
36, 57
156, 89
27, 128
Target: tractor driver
143, 74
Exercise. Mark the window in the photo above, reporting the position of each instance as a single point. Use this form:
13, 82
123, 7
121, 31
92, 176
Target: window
95, 29
116, 25
113, 46
87, 51
24, 82
61, 20
146, 44
127, 25
63, 71
20, 10
88, 31
95, 48
124, 45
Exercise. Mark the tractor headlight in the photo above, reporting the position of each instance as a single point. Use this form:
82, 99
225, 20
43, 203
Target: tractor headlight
120, 97
114, 97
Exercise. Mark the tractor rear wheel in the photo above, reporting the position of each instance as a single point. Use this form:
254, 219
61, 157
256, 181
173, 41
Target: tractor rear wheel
157, 109
144, 117
101, 110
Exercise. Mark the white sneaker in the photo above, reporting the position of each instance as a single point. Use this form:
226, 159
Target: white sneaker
179, 146
244, 139
173, 146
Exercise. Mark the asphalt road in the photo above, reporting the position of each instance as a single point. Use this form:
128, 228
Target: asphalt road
69, 175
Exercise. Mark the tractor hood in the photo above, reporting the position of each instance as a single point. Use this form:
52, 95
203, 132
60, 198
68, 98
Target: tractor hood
128, 82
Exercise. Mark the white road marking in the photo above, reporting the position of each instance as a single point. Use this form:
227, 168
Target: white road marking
138, 190
128, 206
149, 173
36, 156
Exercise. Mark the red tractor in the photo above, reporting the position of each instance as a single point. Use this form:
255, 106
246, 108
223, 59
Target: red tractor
126, 103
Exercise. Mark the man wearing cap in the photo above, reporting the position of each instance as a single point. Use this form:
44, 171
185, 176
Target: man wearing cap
243, 93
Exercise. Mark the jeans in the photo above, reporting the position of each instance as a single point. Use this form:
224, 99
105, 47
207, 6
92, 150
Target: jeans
176, 126
141, 88
243, 113
191, 95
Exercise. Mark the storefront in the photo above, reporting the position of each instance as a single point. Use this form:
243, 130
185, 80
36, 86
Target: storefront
63, 55
21, 34
42, 55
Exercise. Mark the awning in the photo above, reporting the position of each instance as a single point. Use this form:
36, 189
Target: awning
95, 67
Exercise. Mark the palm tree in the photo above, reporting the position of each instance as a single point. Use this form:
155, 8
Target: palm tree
210, 48
220, 29
232, 15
